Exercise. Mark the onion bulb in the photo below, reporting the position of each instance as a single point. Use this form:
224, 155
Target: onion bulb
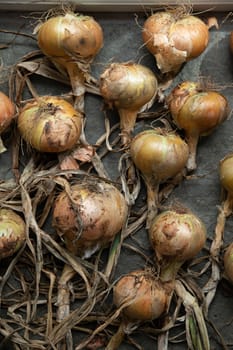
160, 156
174, 38
228, 263
176, 236
198, 112
128, 87
7, 112
71, 41
12, 232
90, 216
226, 173
50, 124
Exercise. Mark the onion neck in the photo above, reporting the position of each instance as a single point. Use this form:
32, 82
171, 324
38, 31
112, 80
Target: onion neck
152, 200
169, 271
127, 122
192, 141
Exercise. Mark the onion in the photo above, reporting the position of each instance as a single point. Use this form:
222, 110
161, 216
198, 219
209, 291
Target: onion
226, 173
50, 124
198, 112
12, 232
176, 236
174, 38
228, 263
160, 156
90, 216
71, 41
128, 87
7, 113
141, 298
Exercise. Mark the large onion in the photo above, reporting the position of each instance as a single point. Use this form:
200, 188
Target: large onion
198, 112
159, 156
174, 38
71, 41
90, 216
7, 113
128, 87
50, 124
228, 263
176, 236
12, 232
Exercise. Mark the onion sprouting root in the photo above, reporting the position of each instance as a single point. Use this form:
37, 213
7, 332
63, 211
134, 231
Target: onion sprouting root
128, 87
228, 263
12, 232
71, 41
50, 124
174, 38
7, 113
89, 216
198, 112
160, 156
176, 236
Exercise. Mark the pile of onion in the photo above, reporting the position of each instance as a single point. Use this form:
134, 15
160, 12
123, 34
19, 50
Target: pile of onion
12, 232
50, 124
89, 216
198, 111
129, 87
71, 41
174, 38
7, 113
159, 155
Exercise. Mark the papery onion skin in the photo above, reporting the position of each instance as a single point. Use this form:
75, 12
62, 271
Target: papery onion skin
173, 39
159, 155
148, 297
228, 263
12, 232
226, 173
7, 112
177, 235
90, 221
50, 124
70, 35
128, 87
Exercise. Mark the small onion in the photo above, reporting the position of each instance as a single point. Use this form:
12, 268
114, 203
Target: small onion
7, 113
198, 112
176, 236
174, 38
226, 173
12, 232
159, 156
128, 87
50, 124
228, 263
146, 297
71, 41
90, 217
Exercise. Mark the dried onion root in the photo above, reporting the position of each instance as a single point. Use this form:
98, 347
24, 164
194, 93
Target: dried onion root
198, 112
174, 38
71, 41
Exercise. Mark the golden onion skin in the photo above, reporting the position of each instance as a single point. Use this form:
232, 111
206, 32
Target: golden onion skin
159, 156
148, 297
174, 40
50, 124
70, 35
177, 235
12, 232
96, 214
7, 112
226, 173
228, 263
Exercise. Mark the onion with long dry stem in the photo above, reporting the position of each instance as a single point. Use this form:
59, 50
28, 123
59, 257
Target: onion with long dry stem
50, 124
159, 155
128, 87
71, 41
7, 113
198, 111
12, 232
140, 297
174, 37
